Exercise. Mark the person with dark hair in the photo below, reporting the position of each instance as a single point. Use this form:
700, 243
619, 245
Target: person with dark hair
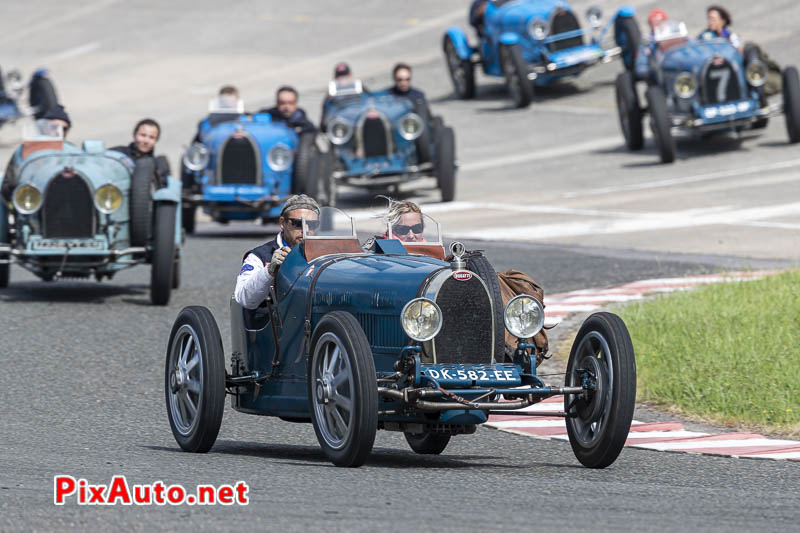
476, 12
719, 21
145, 136
287, 111
261, 264
342, 82
401, 74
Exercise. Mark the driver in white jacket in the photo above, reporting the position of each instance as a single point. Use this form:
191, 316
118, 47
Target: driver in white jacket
261, 263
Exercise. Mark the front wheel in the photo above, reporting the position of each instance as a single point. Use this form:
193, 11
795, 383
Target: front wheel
629, 110
427, 443
446, 162
342, 390
791, 103
599, 419
515, 70
194, 379
628, 38
163, 253
5, 238
462, 71
661, 124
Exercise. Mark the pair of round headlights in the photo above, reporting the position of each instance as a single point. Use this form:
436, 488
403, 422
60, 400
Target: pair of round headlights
28, 199
422, 318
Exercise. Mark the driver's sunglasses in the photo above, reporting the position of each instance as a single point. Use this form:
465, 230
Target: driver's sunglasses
401, 229
297, 223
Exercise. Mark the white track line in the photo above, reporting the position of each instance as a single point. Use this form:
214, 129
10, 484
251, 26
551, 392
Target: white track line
715, 444
61, 18
71, 53
547, 153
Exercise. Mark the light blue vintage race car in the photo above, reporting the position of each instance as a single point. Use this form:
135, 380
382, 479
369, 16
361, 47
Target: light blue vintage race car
86, 211
242, 166
379, 141
534, 43
701, 88
396, 337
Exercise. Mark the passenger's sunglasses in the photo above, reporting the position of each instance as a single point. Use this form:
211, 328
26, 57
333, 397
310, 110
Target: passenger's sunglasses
401, 229
297, 223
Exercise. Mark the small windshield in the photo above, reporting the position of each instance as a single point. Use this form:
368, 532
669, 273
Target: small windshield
43, 130
344, 87
331, 223
226, 103
669, 30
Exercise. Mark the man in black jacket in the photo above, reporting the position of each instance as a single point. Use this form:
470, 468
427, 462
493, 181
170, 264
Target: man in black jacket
287, 111
145, 136
401, 73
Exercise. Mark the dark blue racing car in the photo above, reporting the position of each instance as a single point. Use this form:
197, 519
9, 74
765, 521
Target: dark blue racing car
701, 88
533, 43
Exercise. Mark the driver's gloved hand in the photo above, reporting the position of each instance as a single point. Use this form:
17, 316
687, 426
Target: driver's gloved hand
277, 259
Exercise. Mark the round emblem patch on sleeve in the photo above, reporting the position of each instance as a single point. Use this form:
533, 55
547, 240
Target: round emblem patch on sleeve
246, 268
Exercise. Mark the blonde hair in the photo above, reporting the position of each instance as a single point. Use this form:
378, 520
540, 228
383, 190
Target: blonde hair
398, 208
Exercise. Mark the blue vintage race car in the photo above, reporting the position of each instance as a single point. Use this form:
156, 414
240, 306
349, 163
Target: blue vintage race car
534, 43
699, 87
87, 211
242, 166
395, 337
41, 95
379, 140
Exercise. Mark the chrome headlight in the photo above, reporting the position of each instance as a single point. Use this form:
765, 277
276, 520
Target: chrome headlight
411, 126
196, 157
524, 316
595, 16
685, 85
107, 198
27, 199
279, 157
421, 319
339, 131
756, 73
537, 28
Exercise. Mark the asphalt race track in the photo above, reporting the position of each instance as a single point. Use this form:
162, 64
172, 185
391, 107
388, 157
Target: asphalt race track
550, 190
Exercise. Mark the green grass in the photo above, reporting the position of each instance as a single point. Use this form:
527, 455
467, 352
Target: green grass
728, 352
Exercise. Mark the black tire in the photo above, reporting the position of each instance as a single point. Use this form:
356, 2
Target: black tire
188, 218
661, 123
791, 103
515, 70
446, 163
599, 431
349, 445
484, 269
629, 111
176, 272
753, 53
42, 96
306, 152
196, 433
143, 183
321, 180
163, 253
5, 238
462, 71
424, 141
628, 37
427, 443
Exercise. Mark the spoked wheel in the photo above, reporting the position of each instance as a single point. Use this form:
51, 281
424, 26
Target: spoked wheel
427, 443
661, 124
516, 73
630, 112
791, 103
462, 71
195, 379
342, 389
599, 419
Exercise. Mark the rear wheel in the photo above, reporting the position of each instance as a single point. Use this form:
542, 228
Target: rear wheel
446, 163
423, 142
628, 37
484, 269
515, 70
163, 255
791, 103
176, 273
188, 219
143, 183
427, 443
342, 389
194, 379
599, 420
661, 124
630, 112
306, 152
462, 71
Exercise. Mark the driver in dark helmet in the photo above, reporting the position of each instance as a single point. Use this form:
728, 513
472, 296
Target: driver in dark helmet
262, 263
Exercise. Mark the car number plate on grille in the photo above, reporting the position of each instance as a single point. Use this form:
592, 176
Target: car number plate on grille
469, 375
83, 244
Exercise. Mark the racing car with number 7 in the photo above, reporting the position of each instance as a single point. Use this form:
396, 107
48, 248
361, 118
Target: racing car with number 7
395, 337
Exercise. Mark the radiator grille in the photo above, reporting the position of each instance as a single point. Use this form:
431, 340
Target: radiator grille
68, 210
240, 161
564, 21
466, 334
721, 84
375, 138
